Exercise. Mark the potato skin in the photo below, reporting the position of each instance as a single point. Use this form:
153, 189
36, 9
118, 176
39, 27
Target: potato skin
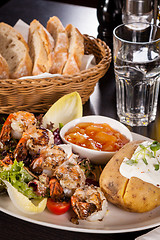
132, 194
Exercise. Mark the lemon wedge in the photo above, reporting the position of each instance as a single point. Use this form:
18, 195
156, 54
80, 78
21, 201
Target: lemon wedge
67, 108
23, 203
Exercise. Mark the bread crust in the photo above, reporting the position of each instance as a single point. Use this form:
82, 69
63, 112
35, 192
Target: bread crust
60, 54
15, 50
75, 51
4, 69
41, 45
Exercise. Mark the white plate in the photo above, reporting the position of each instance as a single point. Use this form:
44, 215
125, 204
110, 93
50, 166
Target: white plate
116, 220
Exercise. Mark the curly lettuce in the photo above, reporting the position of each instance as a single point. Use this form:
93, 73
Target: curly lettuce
19, 178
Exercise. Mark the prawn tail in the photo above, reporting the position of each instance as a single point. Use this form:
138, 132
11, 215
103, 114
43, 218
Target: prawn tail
37, 165
81, 208
5, 134
8, 160
21, 152
56, 191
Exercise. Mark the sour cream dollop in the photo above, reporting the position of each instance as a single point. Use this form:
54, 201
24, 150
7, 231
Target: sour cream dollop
144, 163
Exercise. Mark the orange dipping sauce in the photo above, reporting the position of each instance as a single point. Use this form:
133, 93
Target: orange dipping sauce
96, 136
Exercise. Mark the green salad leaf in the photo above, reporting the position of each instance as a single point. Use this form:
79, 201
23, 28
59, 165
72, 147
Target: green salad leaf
19, 178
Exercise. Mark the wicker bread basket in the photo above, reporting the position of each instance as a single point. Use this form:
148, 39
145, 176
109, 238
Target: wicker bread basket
37, 95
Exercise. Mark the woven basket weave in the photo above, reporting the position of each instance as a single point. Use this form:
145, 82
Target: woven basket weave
37, 95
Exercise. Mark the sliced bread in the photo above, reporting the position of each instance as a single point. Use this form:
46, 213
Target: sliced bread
60, 54
15, 50
41, 45
75, 51
4, 69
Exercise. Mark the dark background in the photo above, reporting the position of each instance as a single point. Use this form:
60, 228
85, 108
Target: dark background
88, 3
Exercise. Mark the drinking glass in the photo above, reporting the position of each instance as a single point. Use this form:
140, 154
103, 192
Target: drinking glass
136, 48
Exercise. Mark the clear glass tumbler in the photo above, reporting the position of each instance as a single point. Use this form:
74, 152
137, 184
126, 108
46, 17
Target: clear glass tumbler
137, 72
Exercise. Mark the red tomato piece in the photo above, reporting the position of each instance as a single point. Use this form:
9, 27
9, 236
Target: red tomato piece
58, 208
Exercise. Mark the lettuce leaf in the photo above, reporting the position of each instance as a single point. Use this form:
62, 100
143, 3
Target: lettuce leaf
19, 178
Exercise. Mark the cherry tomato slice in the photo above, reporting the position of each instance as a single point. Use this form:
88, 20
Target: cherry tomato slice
57, 207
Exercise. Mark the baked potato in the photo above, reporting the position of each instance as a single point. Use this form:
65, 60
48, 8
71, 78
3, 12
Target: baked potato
131, 194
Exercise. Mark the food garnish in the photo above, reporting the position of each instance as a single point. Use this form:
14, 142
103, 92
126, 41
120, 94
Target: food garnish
145, 151
19, 178
92, 172
23, 203
58, 208
67, 108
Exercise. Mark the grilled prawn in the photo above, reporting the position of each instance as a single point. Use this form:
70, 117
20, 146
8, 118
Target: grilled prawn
34, 141
38, 144
70, 176
15, 125
89, 203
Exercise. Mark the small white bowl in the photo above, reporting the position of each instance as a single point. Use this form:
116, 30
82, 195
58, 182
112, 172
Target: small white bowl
95, 156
